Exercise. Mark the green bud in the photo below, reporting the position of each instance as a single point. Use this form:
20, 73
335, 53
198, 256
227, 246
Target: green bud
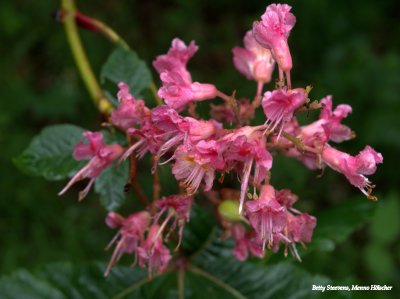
229, 209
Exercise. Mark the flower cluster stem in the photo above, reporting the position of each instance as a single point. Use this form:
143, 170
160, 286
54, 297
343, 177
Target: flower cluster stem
181, 285
94, 25
81, 60
138, 284
156, 187
235, 293
298, 142
308, 107
257, 99
232, 102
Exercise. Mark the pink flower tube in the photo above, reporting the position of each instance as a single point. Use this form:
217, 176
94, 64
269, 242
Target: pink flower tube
272, 33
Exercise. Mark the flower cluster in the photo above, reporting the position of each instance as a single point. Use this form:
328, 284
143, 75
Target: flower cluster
199, 150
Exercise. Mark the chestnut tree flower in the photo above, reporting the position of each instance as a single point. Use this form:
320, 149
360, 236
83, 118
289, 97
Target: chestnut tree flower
101, 156
197, 163
199, 150
179, 206
242, 245
240, 150
279, 106
354, 168
272, 33
317, 134
176, 59
153, 252
130, 234
178, 89
255, 61
266, 215
130, 111
299, 228
177, 92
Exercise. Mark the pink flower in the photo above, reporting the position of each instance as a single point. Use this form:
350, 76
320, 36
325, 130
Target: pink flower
256, 246
179, 203
152, 251
255, 62
245, 242
354, 168
197, 163
279, 106
176, 59
286, 198
331, 120
178, 92
178, 206
318, 133
247, 145
272, 33
266, 215
240, 251
169, 123
101, 156
130, 112
151, 139
181, 129
328, 127
166, 119
225, 114
178, 89
131, 233
197, 130
299, 229
167, 129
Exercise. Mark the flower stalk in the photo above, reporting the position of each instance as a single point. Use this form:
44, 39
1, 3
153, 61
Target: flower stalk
81, 60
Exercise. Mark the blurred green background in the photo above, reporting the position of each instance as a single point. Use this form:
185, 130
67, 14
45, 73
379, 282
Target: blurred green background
350, 49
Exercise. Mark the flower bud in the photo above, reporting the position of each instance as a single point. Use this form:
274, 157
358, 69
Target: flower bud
229, 210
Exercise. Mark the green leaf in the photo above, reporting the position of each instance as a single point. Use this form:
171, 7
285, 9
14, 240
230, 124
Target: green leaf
229, 278
114, 137
110, 186
335, 224
385, 224
50, 153
67, 281
198, 231
221, 278
124, 65
379, 262
216, 248
113, 100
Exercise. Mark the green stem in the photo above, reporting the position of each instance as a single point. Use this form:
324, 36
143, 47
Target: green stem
296, 141
227, 287
136, 285
81, 60
181, 288
310, 106
131, 288
109, 33
299, 143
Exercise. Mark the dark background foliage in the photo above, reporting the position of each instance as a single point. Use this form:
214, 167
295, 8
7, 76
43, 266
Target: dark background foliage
350, 49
